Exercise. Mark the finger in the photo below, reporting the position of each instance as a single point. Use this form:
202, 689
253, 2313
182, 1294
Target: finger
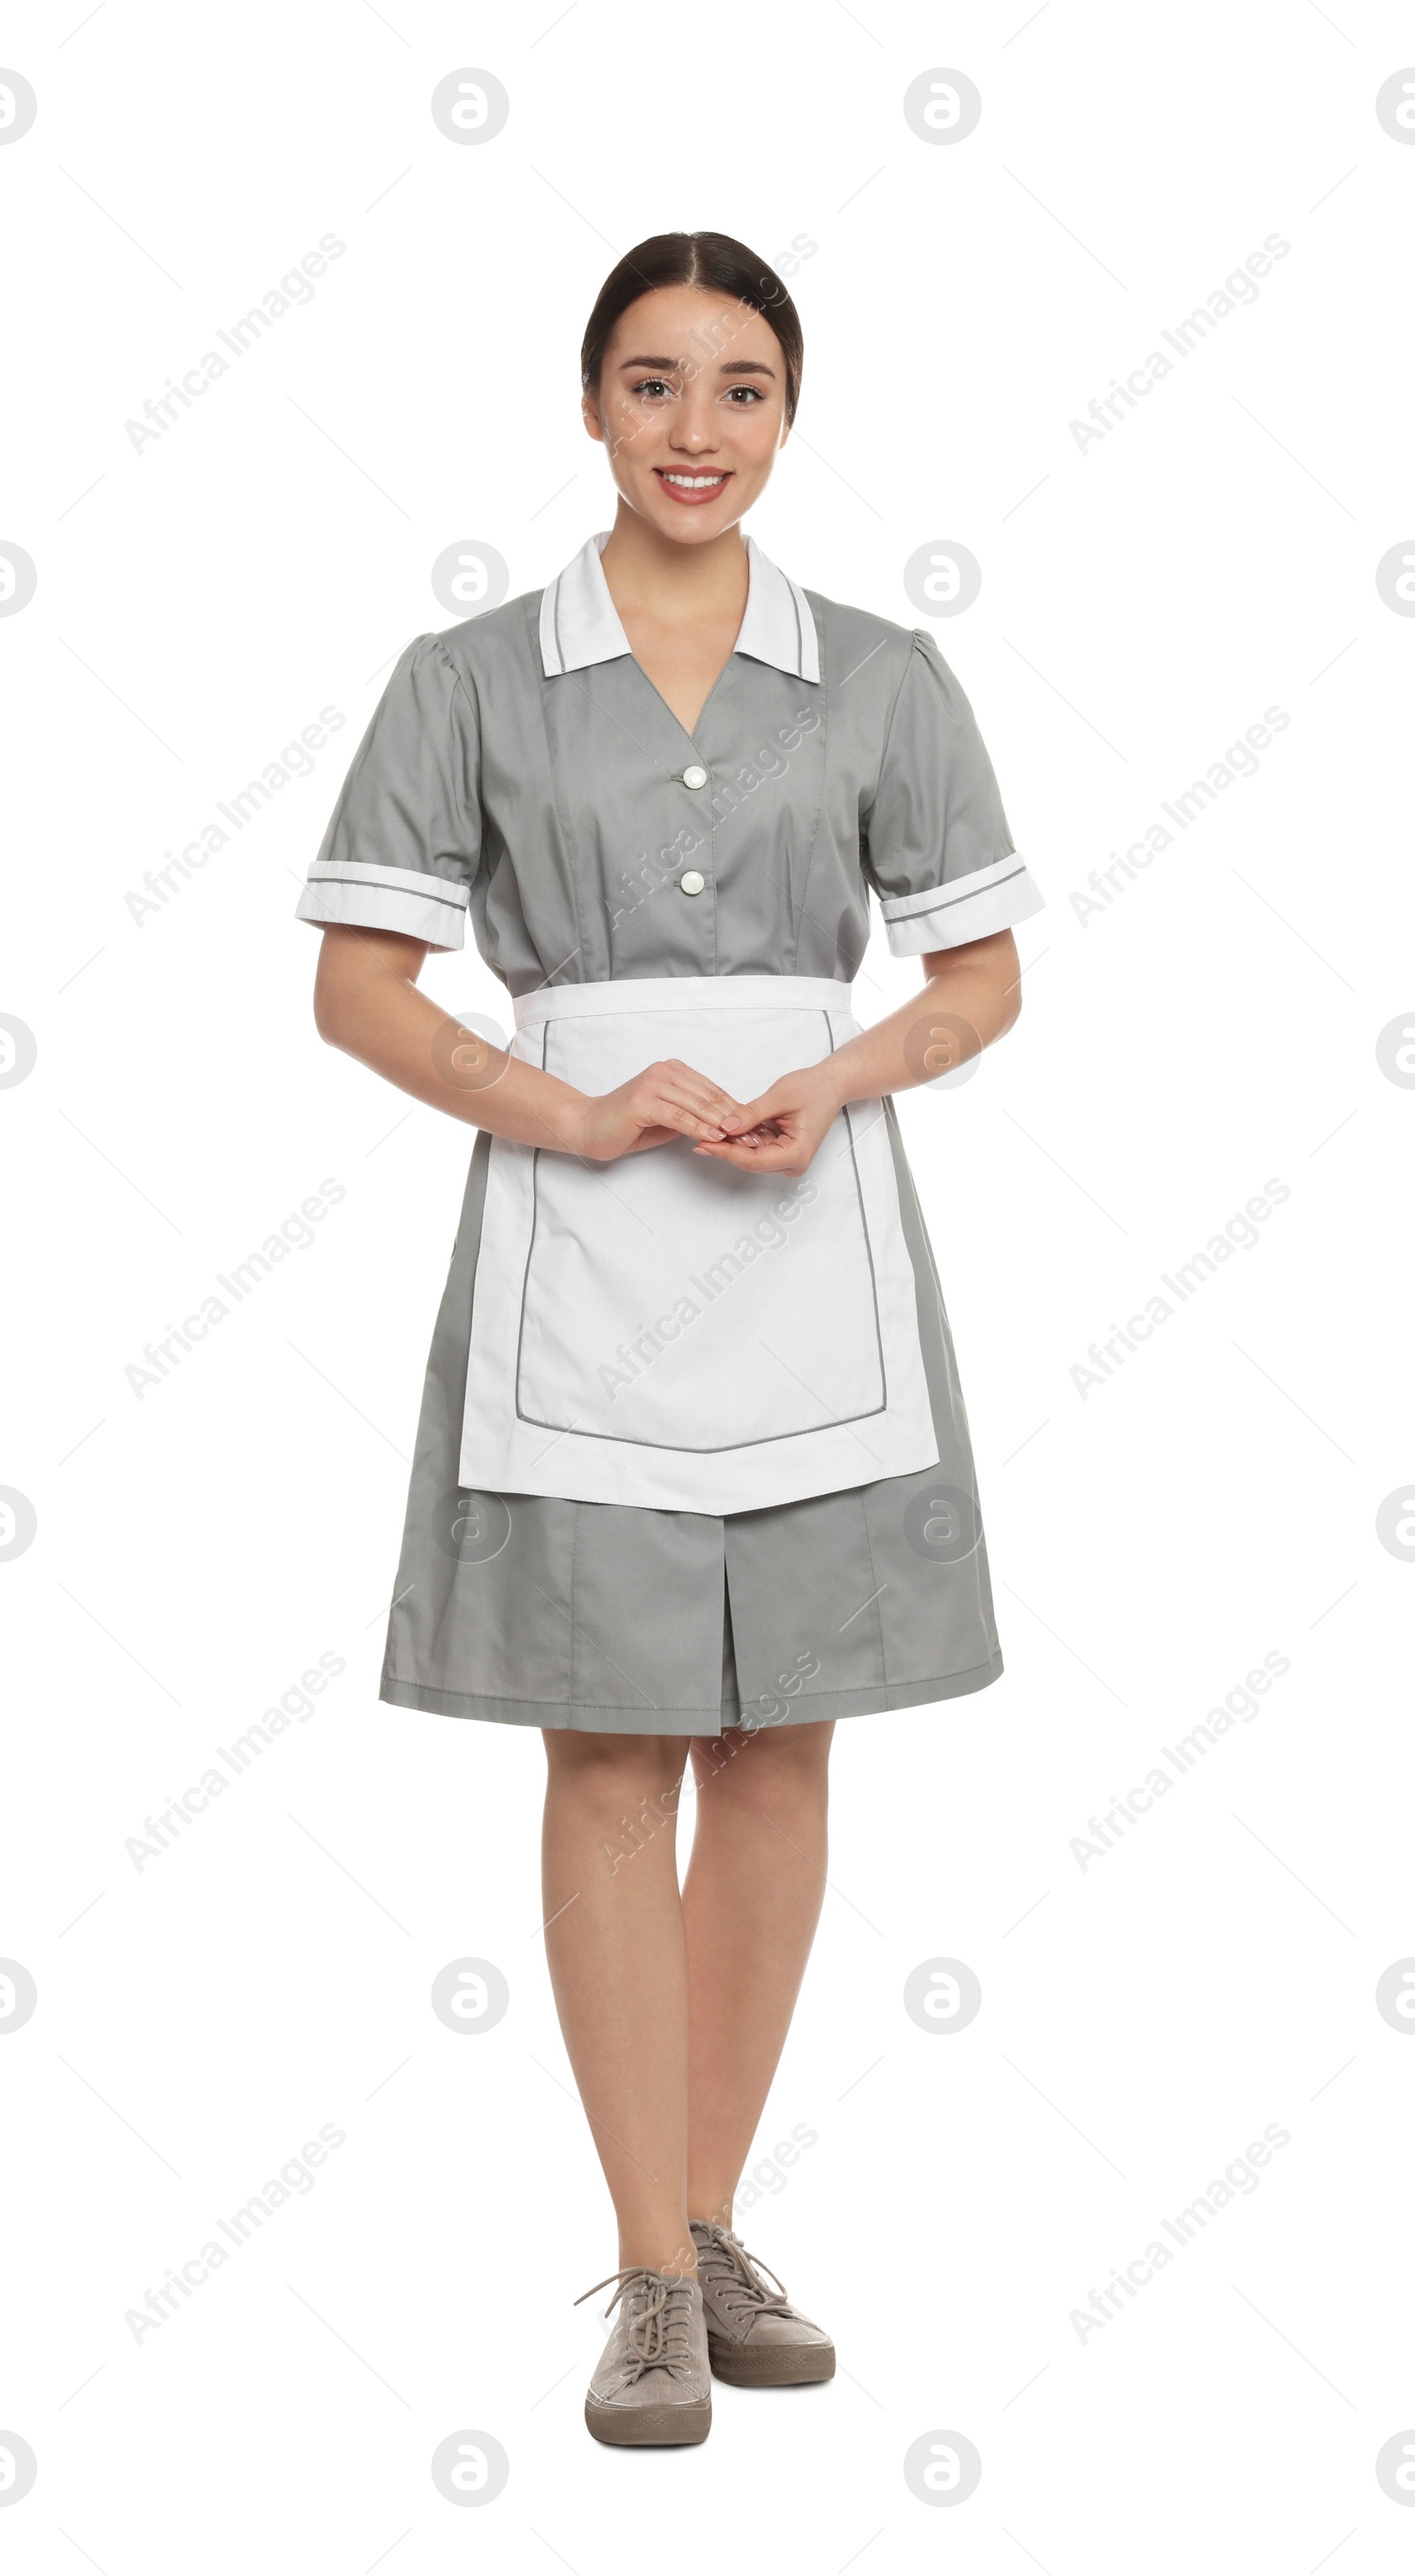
685, 1122
769, 1155
767, 1104
677, 1070
768, 1133
715, 1106
675, 1101
698, 1092
706, 1104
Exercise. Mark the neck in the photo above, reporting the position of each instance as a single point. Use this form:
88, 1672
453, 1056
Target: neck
650, 573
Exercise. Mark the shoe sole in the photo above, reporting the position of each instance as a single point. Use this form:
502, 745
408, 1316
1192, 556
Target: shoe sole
766, 2369
659, 2425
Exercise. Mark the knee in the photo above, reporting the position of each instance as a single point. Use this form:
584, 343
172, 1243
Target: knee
781, 1769
612, 1775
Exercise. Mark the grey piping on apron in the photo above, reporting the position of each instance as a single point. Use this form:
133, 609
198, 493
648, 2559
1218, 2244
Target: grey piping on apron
530, 1248
713, 1449
883, 1404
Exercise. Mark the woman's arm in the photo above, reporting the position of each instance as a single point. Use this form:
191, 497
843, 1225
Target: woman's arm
367, 1002
971, 996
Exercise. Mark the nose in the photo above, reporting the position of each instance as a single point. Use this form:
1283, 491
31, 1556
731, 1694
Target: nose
694, 429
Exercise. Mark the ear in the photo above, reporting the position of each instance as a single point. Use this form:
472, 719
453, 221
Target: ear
589, 413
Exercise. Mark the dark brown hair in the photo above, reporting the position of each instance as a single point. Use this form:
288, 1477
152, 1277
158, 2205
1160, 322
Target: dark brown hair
713, 260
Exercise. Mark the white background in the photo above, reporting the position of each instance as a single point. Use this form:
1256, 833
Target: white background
1213, 1501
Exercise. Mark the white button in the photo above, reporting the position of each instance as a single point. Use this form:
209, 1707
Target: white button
692, 882
695, 776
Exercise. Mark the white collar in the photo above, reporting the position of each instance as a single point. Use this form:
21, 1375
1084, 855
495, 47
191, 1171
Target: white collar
579, 623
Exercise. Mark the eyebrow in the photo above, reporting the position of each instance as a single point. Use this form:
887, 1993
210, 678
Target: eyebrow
730, 366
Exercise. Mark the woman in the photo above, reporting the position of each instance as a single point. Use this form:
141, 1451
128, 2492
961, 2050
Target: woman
692, 1475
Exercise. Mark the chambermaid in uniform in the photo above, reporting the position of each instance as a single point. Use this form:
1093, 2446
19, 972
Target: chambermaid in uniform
692, 1451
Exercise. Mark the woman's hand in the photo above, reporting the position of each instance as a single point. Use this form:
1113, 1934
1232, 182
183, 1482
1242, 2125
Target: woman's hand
971, 996
664, 1101
782, 1130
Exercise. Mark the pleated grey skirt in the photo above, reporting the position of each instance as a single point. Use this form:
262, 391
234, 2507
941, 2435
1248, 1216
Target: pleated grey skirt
531, 1611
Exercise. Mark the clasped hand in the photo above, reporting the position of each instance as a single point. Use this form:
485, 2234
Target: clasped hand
780, 1131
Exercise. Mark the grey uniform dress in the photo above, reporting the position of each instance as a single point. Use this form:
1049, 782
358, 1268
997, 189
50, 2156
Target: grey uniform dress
522, 769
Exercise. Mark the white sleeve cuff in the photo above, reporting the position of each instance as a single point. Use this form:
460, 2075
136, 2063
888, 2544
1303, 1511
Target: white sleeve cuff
972, 907
430, 908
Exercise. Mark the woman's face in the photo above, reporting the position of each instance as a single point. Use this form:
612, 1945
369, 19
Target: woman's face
691, 409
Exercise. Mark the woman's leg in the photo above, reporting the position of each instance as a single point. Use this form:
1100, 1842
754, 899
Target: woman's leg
751, 1900
618, 1966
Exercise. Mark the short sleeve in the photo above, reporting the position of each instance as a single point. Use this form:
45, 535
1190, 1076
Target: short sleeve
404, 841
934, 843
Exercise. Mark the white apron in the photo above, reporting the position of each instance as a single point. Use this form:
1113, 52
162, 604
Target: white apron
666, 1330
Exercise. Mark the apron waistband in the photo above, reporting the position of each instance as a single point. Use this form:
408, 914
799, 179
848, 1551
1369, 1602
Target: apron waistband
683, 993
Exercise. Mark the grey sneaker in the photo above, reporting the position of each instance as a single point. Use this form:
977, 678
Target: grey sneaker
653, 2383
755, 2338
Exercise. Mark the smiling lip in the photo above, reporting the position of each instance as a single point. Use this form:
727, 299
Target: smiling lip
702, 485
